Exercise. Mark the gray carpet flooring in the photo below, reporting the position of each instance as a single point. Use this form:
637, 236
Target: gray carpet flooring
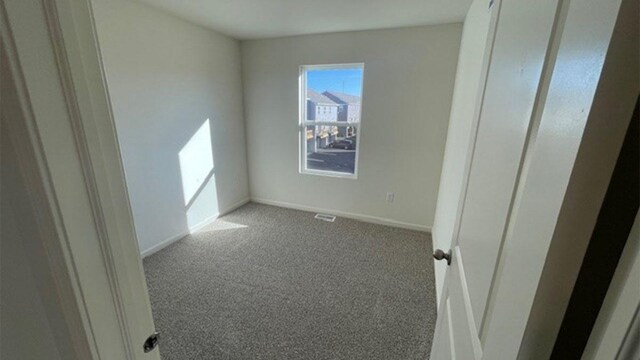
270, 283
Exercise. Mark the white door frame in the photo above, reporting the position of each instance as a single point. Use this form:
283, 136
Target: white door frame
75, 335
68, 130
587, 94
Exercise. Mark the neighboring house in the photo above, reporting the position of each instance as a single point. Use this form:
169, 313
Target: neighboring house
331, 106
348, 110
349, 105
320, 107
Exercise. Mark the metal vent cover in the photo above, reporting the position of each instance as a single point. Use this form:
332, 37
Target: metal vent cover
325, 217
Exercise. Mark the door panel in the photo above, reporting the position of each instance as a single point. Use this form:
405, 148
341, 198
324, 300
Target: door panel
511, 91
520, 45
445, 349
456, 335
465, 335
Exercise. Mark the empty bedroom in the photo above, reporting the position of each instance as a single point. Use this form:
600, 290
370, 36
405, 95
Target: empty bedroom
238, 123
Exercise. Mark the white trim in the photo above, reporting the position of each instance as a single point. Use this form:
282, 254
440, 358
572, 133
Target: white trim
333, 66
170, 240
124, 307
88, 166
203, 223
215, 216
361, 217
42, 200
163, 244
328, 173
330, 123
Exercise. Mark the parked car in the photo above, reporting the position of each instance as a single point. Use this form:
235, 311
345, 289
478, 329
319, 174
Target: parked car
342, 144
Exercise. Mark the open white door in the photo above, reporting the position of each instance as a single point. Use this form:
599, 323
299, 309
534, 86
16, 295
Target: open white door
529, 46
518, 43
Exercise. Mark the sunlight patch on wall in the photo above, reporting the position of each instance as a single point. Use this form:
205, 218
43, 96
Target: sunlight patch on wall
204, 206
196, 162
198, 178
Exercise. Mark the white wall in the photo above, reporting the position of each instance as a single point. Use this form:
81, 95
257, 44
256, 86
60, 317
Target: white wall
408, 83
468, 80
166, 77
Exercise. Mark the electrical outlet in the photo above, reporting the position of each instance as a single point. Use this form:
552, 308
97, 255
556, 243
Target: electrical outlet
390, 197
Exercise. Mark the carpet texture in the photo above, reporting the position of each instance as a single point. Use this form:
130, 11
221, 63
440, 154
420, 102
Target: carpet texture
270, 283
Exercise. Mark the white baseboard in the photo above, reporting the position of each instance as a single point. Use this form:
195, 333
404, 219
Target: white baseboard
203, 223
365, 218
226, 210
222, 212
163, 244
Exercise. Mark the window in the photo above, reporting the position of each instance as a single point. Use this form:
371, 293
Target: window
330, 108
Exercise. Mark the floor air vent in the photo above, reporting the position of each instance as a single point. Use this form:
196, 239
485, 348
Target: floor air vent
325, 217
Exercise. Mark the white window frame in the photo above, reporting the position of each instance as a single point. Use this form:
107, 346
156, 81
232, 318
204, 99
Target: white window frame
303, 123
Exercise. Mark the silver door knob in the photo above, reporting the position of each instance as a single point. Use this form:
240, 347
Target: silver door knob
439, 255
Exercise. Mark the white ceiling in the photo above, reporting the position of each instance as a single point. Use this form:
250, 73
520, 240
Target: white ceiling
254, 19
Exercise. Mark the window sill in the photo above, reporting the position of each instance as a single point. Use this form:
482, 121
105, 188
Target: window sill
332, 174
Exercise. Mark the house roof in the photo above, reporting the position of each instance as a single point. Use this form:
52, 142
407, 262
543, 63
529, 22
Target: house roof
342, 98
318, 98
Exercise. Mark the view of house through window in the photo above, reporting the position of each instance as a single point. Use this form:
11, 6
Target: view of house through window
331, 101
